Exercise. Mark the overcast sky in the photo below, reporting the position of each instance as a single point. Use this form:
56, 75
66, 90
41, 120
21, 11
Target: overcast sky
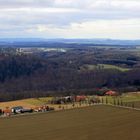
117, 19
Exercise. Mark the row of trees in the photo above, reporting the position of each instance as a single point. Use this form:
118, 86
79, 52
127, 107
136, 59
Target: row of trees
117, 102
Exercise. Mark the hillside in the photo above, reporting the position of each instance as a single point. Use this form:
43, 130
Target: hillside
37, 72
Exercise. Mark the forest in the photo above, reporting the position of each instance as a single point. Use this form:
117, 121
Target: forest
79, 70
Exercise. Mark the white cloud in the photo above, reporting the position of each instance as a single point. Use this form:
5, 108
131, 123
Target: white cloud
124, 29
71, 18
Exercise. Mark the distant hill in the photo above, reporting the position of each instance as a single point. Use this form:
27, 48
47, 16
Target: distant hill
15, 42
97, 41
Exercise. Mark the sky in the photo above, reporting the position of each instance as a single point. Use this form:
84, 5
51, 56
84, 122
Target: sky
116, 19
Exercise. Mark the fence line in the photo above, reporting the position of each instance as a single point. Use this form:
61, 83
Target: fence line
125, 107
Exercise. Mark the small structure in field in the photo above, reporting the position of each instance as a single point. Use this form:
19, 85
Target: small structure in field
43, 108
80, 98
62, 100
7, 111
111, 93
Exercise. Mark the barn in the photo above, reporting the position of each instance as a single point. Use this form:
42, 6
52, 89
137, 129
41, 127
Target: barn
111, 93
79, 98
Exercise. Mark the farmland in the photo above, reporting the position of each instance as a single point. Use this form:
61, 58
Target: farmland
126, 98
27, 103
103, 123
103, 66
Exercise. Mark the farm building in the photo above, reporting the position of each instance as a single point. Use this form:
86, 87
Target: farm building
7, 111
79, 98
111, 93
62, 100
68, 99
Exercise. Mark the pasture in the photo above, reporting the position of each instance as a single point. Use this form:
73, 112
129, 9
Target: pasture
103, 66
89, 123
27, 103
128, 99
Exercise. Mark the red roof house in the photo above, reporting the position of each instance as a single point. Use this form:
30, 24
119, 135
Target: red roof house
111, 93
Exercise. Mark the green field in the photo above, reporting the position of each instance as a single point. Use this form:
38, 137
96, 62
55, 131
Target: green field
103, 66
128, 99
91, 123
38, 101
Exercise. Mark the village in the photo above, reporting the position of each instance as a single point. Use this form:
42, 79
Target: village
110, 97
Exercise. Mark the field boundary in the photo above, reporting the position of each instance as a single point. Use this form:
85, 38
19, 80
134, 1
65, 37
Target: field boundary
74, 108
125, 107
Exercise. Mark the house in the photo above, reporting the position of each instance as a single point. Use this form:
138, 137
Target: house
79, 98
111, 93
7, 111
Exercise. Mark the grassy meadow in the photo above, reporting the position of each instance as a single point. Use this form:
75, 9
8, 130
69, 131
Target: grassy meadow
126, 99
103, 66
27, 103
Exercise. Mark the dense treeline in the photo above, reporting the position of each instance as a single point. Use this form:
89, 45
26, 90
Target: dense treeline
16, 66
24, 76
